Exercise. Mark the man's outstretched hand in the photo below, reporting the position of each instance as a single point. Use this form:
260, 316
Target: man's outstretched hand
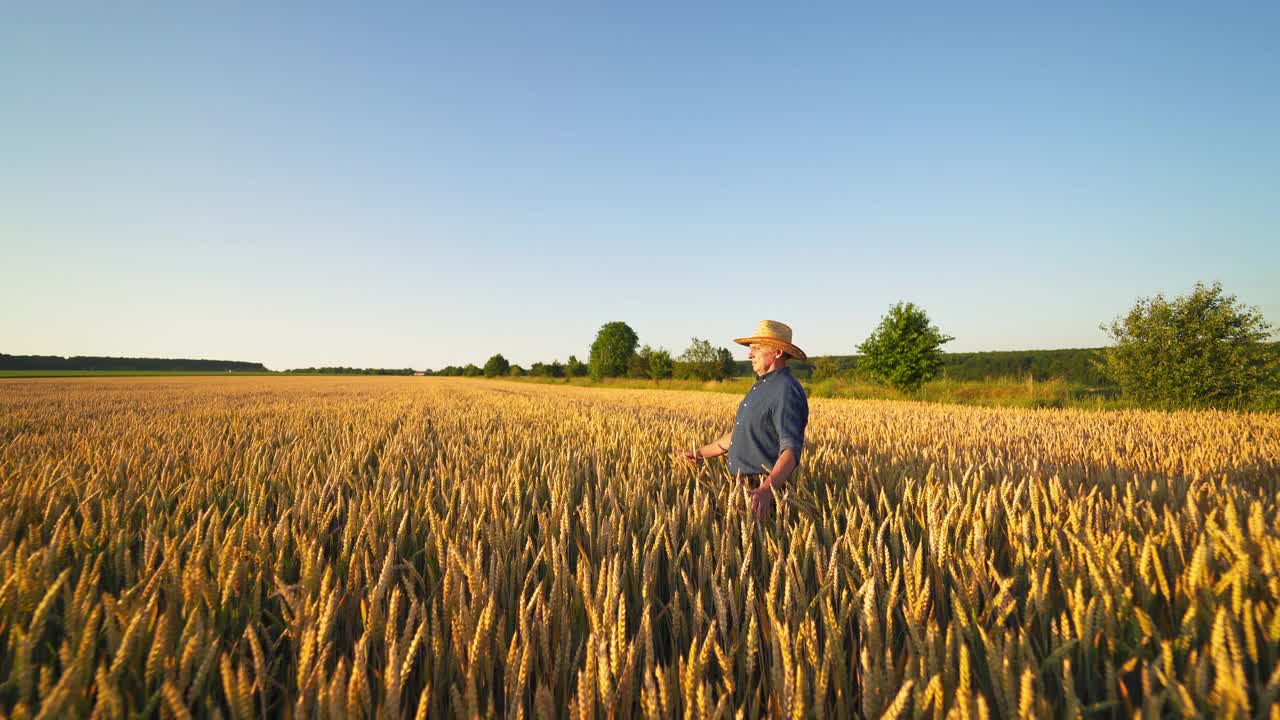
689, 456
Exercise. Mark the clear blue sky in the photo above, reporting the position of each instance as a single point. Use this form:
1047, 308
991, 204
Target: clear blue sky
402, 185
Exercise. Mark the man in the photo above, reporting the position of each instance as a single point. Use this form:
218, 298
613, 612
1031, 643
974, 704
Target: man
767, 438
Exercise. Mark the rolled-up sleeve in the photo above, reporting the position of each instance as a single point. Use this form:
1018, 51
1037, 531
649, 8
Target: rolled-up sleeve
790, 418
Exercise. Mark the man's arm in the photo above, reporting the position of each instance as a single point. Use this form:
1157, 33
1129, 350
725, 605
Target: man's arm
790, 419
716, 448
787, 463
762, 497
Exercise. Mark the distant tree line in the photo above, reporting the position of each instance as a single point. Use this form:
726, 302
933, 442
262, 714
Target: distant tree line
351, 371
468, 370
86, 362
1078, 365
1204, 349
1073, 365
614, 353
702, 361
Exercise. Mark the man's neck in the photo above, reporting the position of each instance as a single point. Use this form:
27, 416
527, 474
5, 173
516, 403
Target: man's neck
771, 370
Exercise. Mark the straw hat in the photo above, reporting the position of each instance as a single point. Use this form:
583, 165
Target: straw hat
775, 334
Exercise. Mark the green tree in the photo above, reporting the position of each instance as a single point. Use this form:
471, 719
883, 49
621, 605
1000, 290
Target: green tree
496, 365
472, 371
828, 366
516, 371
575, 367
660, 365
614, 345
1201, 349
700, 361
638, 365
726, 364
905, 350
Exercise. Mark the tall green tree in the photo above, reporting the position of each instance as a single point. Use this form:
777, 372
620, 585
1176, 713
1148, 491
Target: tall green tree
614, 345
1200, 349
496, 366
574, 367
905, 350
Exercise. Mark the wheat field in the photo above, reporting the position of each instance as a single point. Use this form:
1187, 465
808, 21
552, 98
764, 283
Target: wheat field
430, 547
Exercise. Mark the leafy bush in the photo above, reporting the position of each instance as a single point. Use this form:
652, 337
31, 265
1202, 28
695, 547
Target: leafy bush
830, 366
660, 365
905, 350
1200, 349
726, 361
496, 366
702, 361
638, 364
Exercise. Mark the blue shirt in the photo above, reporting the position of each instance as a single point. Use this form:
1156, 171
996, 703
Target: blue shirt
771, 418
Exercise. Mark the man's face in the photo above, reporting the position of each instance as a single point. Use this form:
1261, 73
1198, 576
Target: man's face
763, 357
